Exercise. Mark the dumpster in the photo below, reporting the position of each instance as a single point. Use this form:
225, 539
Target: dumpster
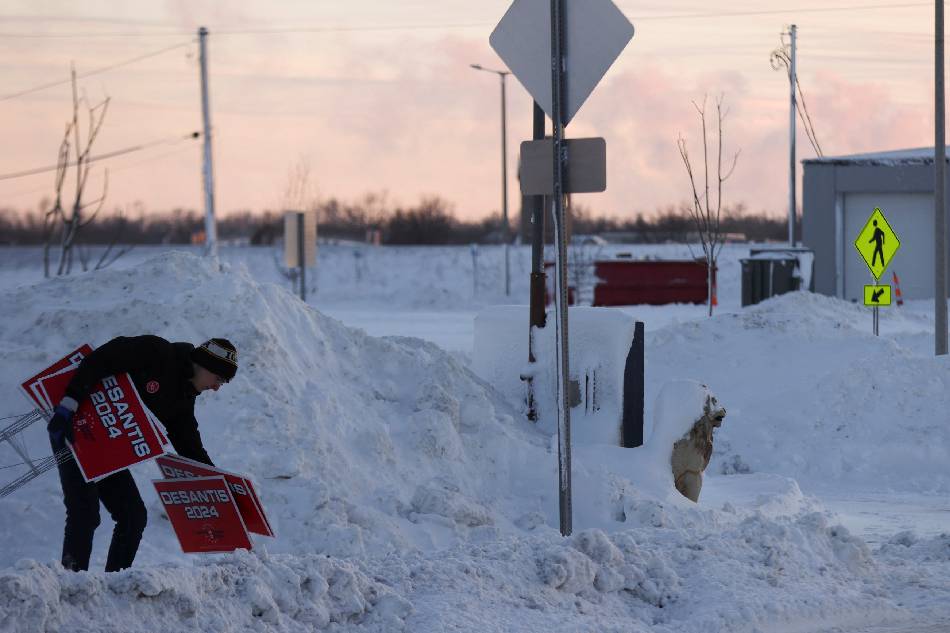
653, 282
769, 272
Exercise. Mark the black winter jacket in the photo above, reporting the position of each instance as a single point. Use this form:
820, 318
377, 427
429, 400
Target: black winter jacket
161, 372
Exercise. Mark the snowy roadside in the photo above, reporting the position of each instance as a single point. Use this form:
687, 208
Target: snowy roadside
407, 495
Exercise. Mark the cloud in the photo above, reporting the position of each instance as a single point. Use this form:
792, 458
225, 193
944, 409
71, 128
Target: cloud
405, 113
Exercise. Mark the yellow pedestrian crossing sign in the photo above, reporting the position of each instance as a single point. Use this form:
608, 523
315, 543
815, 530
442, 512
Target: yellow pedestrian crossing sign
877, 296
877, 243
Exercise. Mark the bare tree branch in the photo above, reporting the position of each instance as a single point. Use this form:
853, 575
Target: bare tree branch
704, 214
75, 220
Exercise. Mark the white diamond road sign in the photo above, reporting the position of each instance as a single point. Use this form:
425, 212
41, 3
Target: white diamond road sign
595, 34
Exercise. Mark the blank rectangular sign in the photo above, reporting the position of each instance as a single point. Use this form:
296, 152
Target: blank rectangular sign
585, 172
292, 247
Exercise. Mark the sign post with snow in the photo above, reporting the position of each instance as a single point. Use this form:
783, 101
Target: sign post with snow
877, 243
559, 51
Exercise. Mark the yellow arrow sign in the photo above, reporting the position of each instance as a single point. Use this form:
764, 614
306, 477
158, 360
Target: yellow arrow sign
877, 243
877, 295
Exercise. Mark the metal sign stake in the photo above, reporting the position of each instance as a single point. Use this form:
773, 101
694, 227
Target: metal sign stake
875, 310
560, 226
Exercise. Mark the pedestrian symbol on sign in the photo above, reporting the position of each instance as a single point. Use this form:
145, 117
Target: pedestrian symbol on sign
878, 240
877, 243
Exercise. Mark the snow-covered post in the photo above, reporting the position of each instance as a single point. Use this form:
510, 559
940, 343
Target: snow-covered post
474, 249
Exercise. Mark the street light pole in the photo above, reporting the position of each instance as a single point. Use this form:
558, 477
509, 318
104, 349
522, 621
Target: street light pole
506, 229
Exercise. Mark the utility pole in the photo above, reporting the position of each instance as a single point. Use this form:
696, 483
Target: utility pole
791, 141
211, 231
940, 210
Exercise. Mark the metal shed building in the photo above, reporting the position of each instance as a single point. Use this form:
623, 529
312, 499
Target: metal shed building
839, 194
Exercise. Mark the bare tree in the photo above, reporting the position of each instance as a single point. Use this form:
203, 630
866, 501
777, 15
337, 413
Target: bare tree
706, 214
69, 215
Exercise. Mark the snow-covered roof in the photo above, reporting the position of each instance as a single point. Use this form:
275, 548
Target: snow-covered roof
914, 156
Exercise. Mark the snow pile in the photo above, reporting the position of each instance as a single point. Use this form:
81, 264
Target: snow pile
406, 485
701, 575
600, 344
814, 396
360, 445
237, 593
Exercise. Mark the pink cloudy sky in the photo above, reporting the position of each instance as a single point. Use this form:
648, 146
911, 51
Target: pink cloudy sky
378, 96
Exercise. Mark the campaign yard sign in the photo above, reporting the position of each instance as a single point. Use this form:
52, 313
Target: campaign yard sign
203, 514
248, 504
34, 388
112, 428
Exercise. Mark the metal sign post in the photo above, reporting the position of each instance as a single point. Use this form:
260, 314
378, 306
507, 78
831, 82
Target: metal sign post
301, 257
536, 314
560, 223
593, 32
877, 243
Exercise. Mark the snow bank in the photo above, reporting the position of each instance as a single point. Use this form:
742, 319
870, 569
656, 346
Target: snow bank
359, 445
403, 482
240, 592
600, 343
813, 395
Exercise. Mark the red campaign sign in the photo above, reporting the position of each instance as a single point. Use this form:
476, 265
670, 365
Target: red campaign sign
112, 427
203, 514
33, 388
248, 503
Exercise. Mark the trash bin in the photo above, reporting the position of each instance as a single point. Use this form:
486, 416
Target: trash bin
771, 272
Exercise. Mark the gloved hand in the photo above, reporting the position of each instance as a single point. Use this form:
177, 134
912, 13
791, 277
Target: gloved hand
60, 427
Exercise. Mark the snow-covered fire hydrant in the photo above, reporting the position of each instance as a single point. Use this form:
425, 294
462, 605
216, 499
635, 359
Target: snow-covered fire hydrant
691, 452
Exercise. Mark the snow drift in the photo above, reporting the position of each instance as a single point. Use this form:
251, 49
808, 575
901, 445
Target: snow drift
405, 492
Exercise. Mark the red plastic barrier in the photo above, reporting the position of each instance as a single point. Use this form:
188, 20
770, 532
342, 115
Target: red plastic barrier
650, 282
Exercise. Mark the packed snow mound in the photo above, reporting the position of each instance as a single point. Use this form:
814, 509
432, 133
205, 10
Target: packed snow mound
908, 546
406, 494
242, 592
812, 395
698, 577
358, 443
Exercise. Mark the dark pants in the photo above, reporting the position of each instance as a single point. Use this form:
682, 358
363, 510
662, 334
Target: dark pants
119, 494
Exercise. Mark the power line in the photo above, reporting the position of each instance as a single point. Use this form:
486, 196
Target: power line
467, 25
94, 72
796, 11
275, 30
92, 159
112, 170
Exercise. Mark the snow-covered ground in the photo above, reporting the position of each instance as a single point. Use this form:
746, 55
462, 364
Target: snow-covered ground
408, 494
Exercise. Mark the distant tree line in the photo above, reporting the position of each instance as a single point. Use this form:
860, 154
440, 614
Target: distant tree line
431, 221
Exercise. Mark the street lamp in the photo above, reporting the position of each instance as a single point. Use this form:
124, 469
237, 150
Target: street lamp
502, 74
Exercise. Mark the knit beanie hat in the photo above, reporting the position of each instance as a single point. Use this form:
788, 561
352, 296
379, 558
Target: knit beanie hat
218, 356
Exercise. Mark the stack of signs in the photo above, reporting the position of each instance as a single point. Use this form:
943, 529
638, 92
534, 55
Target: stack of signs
112, 428
203, 514
209, 523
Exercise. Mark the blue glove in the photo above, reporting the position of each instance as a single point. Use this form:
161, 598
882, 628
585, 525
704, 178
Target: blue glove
60, 427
